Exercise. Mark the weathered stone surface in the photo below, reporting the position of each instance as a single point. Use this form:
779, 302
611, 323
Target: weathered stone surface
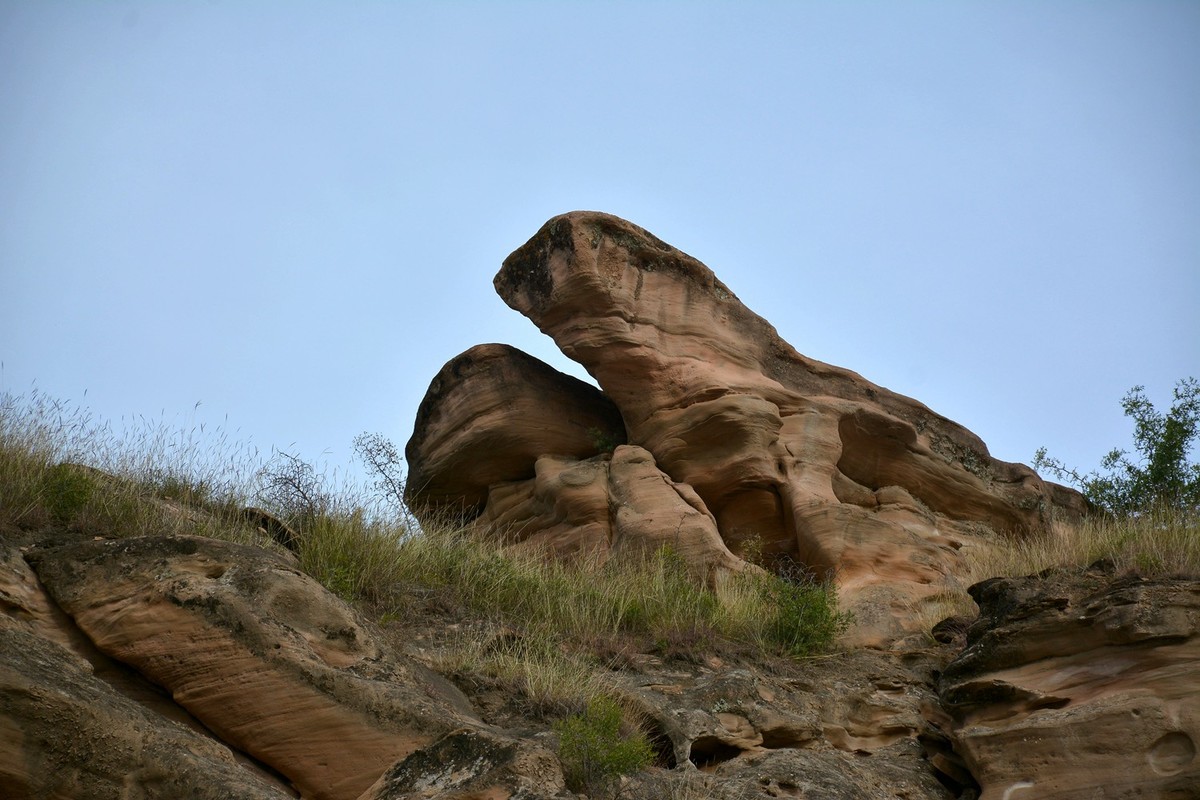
1076, 685
66, 734
856, 702
487, 417
472, 764
803, 463
74, 723
609, 506
259, 652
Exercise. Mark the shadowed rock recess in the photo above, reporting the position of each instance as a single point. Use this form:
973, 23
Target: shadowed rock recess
712, 434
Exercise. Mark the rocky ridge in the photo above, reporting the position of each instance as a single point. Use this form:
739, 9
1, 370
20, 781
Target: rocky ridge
176, 666
181, 666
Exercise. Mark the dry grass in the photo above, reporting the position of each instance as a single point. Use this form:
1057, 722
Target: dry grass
1160, 544
1157, 545
61, 469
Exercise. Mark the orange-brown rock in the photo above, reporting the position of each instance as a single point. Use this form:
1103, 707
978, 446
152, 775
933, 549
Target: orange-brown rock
64, 733
487, 417
619, 505
259, 652
1079, 685
73, 723
814, 463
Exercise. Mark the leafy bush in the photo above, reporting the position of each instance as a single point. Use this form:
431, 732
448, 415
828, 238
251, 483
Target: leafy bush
67, 489
1161, 476
806, 619
593, 752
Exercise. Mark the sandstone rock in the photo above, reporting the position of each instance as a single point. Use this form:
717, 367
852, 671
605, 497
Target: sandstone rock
260, 653
1079, 685
849, 721
897, 771
801, 462
621, 505
489, 414
66, 734
74, 723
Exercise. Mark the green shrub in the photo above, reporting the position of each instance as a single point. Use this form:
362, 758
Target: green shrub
805, 619
66, 491
593, 752
1160, 475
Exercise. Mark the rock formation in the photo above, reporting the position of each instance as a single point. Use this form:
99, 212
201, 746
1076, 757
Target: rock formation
1080, 685
175, 665
751, 445
256, 659
487, 417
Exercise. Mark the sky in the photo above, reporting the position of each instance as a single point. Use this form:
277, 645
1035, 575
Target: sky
280, 219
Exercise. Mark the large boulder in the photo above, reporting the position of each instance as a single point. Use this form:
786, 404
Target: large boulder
260, 653
1080, 684
74, 723
804, 464
489, 414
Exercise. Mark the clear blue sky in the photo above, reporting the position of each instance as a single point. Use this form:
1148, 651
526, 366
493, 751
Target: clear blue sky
291, 212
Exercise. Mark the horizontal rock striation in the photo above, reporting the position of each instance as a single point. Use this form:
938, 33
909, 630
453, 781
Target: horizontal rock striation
260, 653
1079, 685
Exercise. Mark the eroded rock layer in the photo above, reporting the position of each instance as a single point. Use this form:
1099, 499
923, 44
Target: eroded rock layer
1080, 685
74, 723
489, 414
256, 650
800, 462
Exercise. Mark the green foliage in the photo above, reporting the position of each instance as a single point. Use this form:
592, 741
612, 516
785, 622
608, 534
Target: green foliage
805, 618
1160, 475
67, 490
593, 752
604, 441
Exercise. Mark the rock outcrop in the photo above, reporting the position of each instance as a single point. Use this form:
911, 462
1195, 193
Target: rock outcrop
1078, 685
176, 665
806, 464
180, 666
76, 724
489, 414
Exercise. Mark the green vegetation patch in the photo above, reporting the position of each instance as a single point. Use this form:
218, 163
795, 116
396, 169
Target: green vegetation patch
593, 751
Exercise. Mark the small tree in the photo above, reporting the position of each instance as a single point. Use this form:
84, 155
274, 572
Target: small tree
289, 486
1161, 476
381, 456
